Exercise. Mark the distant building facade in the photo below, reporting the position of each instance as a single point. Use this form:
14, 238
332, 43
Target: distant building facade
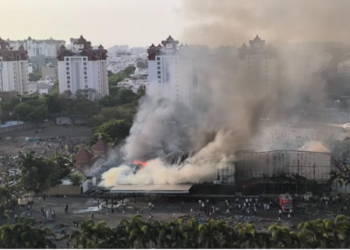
47, 48
13, 68
82, 67
258, 66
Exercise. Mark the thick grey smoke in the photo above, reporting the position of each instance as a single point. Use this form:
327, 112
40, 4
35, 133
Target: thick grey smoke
159, 126
223, 22
225, 114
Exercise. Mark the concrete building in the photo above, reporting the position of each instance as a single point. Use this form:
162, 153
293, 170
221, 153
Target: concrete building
258, 66
39, 88
13, 68
47, 48
173, 71
82, 67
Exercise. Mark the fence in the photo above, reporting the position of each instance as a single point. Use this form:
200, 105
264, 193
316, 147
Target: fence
16, 127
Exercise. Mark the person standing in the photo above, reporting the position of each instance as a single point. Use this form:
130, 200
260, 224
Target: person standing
66, 209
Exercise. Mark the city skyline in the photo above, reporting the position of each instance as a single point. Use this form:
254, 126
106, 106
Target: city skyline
139, 23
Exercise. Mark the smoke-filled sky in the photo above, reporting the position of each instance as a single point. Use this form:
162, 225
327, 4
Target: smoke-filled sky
142, 22
236, 21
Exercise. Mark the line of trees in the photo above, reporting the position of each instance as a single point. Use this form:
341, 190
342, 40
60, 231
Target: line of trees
137, 233
213, 234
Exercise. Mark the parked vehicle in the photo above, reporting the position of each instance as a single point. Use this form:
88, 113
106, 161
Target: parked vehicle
285, 202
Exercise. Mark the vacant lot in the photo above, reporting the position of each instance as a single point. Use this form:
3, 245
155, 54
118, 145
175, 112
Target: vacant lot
13, 142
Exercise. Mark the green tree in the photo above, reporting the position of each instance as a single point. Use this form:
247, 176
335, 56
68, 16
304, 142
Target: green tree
36, 171
85, 107
282, 237
119, 113
313, 234
114, 130
142, 64
22, 111
38, 114
5, 196
116, 78
76, 179
35, 76
24, 235
125, 96
129, 70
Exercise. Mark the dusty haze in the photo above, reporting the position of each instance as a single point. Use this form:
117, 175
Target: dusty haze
222, 22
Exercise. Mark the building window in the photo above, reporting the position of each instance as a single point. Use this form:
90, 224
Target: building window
68, 73
158, 63
86, 86
67, 68
84, 63
159, 81
158, 58
85, 68
159, 72
84, 59
85, 77
68, 86
68, 82
158, 67
159, 77
85, 73
67, 63
67, 59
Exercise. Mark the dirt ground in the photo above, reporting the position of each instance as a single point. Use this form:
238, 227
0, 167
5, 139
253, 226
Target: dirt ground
53, 137
52, 131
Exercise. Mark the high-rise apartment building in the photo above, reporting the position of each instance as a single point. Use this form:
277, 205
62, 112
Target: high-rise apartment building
13, 68
173, 71
258, 66
82, 67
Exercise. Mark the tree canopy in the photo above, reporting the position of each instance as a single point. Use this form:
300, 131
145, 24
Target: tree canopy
35, 76
113, 130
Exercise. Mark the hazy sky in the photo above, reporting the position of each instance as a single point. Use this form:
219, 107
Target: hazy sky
106, 22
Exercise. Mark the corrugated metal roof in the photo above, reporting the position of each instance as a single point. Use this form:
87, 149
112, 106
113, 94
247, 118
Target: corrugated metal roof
153, 189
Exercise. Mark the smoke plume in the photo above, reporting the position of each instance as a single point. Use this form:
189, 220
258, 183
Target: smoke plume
225, 114
224, 22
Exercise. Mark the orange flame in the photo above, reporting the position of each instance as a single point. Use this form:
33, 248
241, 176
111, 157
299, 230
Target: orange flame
142, 163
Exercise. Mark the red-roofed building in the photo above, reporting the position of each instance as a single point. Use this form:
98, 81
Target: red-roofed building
100, 148
83, 158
